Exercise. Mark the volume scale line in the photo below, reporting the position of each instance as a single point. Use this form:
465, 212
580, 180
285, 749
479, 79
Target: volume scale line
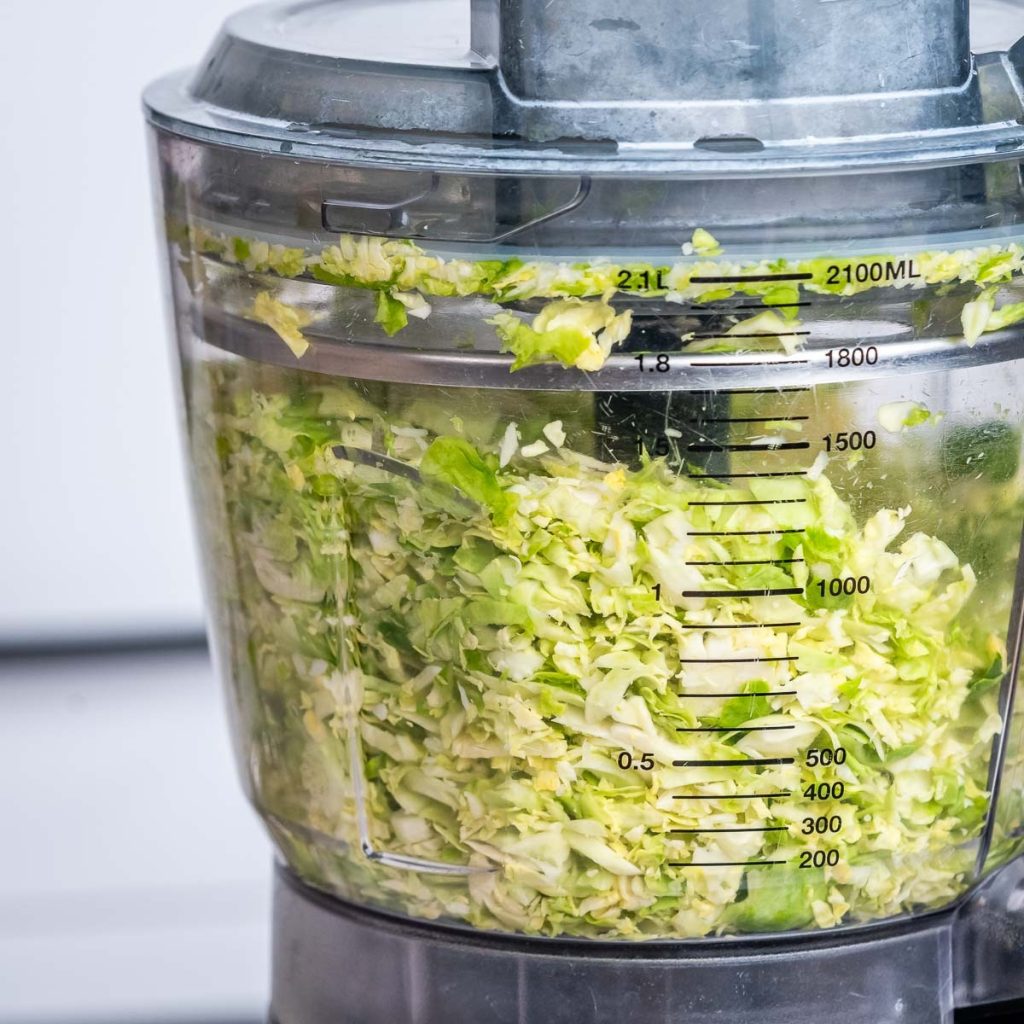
749, 762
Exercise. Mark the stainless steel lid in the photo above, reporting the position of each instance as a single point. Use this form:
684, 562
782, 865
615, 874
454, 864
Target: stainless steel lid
745, 87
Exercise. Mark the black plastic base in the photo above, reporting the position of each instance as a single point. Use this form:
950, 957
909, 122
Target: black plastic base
337, 964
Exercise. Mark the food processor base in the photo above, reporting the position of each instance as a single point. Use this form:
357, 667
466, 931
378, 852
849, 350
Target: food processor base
334, 963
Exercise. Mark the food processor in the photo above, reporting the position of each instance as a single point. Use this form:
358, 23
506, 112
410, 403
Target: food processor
605, 425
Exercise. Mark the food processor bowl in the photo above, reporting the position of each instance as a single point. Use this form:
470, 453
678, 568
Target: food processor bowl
606, 435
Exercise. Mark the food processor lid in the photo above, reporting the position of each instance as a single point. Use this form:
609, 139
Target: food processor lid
744, 87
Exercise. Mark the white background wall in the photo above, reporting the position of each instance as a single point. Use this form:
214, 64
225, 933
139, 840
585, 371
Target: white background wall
134, 880
94, 530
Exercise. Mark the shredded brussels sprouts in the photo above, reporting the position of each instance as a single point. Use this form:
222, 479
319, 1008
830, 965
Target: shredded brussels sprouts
493, 680
578, 326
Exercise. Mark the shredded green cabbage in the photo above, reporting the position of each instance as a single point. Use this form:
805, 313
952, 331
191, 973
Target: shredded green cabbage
485, 686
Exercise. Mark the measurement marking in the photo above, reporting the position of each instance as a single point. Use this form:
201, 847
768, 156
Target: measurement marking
744, 476
717, 831
776, 592
744, 625
777, 693
753, 501
753, 334
724, 863
744, 533
744, 278
736, 728
750, 762
750, 419
734, 796
738, 660
768, 561
727, 310
767, 391
775, 305
786, 446
753, 363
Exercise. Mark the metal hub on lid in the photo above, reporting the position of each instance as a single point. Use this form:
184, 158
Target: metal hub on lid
732, 76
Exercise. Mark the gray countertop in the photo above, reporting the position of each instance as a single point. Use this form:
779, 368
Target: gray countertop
134, 879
